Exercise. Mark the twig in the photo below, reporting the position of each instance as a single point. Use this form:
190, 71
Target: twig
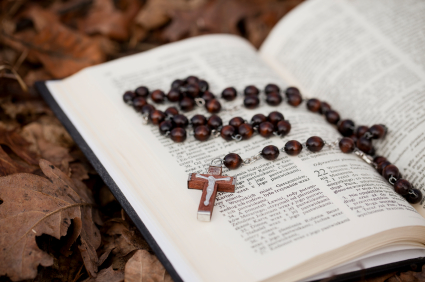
16, 76
20, 60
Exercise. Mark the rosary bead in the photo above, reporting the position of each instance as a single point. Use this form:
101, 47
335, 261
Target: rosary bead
379, 159
377, 131
266, 129
208, 96
178, 135
315, 144
214, 122
192, 91
227, 132
138, 103
171, 111
324, 107
257, 119
364, 144
402, 186
414, 197
361, 130
236, 122
198, 120
203, 85
390, 170
251, 90
332, 116
273, 99
192, 80
142, 91
157, 116
271, 88
275, 117
213, 106
229, 94
382, 165
202, 133
147, 109
293, 96
346, 127
165, 126
270, 152
174, 95
283, 127
180, 121
186, 104
128, 97
176, 84
293, 147
313, 105
246, 131
232, 161
251, 102
346, 145
158, 96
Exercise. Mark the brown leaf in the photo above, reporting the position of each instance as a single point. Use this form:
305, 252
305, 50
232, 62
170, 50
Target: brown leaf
24, 108
409, 276
108, 275
33, 205
18, 145
8, 166
145, 267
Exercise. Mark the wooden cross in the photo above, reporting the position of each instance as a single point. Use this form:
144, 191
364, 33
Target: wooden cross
210, 183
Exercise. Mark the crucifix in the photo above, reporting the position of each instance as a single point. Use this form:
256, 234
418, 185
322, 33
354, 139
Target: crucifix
210, 183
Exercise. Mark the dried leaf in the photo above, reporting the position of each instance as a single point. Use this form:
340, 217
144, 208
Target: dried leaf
409, 276
145, 267
108, 275
18, 145
8, 166
33, 205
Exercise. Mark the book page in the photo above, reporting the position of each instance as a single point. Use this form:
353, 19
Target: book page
367, 59
283, 213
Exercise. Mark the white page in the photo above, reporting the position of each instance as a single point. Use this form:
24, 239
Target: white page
152, 170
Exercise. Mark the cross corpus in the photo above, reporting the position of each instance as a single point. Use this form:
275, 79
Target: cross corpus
210, 183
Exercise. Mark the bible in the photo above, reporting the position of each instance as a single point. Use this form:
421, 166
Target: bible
299, 218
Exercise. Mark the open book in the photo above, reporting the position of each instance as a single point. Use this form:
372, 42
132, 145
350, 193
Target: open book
305, 217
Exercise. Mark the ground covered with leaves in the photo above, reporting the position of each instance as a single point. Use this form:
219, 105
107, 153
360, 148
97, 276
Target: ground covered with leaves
58, 220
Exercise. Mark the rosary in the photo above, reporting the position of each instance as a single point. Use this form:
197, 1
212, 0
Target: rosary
194, 91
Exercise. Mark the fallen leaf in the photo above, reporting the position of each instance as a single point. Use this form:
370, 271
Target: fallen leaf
18, 145
29, 108
144, 266
8, 166
78, 171
409, 276
32, 206
108, 275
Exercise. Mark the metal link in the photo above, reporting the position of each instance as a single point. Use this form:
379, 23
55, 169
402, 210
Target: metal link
411, 192
392, 180
200, 102
237, 137
214, 160
253, 159
145, 119
275, 133
167, 134
368, 159
367, 135
215, 133
333, 144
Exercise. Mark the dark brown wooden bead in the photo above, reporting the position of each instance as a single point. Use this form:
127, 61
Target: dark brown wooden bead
251, 102
202, 133
346, 127
324, 107
232, 161
382, 165
414, 196
128, 97
293, 96
377, 131
251, 90
177, 84
180, 121
270, 152
157, 116
390, 170
208, 96
192, 80
229, 94
174, 95
293, 147
257, 119
138, 103
274, 99
379, 159
198, 120
246, 131
236, 122
292, 90
313, 105
192, 91
361, 130
275, 117
171, 111
266, 129
332, 116
165, 126
364, 144
271, 88
227, 132
178, 134
372, 152
186, 104
354, 138
142, 91
402, 186
214, 122
147, 109
203, 85
315, 144
158, 96
346, 145
283, 127
213, 106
